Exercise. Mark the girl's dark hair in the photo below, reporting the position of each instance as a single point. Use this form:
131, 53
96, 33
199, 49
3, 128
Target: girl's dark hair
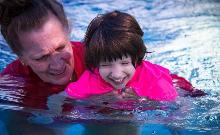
18, 16
111, 36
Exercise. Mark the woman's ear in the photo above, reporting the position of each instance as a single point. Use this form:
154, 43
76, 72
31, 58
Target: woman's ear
22, 61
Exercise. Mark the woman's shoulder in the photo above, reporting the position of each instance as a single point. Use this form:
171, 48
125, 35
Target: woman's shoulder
15, 68
77, 44
78, 52
78, 49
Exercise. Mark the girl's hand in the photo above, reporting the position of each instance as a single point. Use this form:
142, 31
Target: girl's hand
128, 93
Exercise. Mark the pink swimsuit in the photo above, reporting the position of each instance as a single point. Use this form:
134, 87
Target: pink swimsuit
150, 80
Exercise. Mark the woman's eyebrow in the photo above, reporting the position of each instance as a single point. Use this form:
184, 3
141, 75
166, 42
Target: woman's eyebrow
39, 55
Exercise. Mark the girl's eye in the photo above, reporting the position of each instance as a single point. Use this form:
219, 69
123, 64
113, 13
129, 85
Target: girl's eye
125, 63
104, 65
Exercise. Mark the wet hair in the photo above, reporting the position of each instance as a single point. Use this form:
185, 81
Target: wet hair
17, 16
111, 36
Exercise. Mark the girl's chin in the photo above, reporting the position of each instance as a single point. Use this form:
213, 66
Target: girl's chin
121, 86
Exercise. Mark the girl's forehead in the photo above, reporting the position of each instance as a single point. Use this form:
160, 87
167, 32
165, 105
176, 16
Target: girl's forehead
123, 58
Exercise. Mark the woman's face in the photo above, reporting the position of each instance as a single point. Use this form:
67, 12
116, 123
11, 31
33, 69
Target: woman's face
48, 52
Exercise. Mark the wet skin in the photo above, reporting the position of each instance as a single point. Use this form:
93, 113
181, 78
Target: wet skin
48, 51
118, 72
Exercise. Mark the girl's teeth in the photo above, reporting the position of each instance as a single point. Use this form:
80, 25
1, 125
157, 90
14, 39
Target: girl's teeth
118, 81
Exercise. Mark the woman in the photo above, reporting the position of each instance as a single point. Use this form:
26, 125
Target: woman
37, 31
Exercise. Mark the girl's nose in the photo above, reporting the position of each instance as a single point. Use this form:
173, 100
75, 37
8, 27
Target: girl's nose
117, 72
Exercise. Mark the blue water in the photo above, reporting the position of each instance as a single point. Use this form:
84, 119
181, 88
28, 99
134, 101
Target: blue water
184, 36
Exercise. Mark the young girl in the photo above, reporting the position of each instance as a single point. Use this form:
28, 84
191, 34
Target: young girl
114, 59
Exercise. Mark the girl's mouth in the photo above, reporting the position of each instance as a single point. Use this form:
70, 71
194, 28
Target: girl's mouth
119, 83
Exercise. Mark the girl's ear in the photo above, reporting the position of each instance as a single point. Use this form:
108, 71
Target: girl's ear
135, 63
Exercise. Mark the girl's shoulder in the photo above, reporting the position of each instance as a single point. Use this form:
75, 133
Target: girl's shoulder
151, 71
153, 81
154, 68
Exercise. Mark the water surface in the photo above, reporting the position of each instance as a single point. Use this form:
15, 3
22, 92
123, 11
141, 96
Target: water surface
183, 36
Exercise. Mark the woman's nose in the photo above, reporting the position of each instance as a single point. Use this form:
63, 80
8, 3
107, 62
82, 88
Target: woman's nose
56, 62
66, 56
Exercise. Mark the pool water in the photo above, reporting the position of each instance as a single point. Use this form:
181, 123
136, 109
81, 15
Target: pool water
184, 36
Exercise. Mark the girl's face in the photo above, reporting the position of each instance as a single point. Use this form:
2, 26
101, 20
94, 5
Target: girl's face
118, 72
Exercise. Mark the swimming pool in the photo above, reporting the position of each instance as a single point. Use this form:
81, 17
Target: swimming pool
183, 36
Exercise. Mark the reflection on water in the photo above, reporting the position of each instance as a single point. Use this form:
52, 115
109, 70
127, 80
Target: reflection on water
183, 36
186, 114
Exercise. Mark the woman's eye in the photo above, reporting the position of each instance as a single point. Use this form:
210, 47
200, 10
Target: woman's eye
42, 58
60, 48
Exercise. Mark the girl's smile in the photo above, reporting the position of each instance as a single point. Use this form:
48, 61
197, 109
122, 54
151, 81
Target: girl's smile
118, 72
